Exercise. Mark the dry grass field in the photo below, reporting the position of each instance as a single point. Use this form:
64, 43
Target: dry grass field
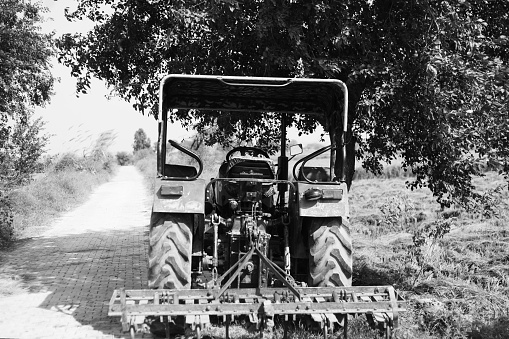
452, 264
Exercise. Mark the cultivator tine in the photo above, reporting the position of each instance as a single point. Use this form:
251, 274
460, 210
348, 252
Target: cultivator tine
345, 327
227, 327
166, 323
392, 297
198, 332
123, 302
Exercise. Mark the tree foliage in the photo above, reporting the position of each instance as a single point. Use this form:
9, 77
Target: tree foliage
141, 141
25, 81
428, 80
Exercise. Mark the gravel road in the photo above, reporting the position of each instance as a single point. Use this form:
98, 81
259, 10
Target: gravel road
70, 272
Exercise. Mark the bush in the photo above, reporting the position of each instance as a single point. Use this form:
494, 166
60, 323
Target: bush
6, 220
108, 163
68, 162
124, 158
143, 154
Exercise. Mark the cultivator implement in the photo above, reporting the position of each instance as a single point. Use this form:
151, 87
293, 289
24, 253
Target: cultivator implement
325, 305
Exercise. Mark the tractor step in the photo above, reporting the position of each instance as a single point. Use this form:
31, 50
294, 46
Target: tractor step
321, 303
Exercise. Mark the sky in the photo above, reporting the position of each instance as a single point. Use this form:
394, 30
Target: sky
75, 123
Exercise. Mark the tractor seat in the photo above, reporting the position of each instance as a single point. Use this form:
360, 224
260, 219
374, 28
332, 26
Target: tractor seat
250, 168
179, 171
318, 174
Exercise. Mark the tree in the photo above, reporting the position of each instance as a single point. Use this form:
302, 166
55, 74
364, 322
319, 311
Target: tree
26, 82
140, 140
427, 79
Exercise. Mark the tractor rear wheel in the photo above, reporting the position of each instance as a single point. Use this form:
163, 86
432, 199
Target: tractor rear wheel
170, 250
330, 252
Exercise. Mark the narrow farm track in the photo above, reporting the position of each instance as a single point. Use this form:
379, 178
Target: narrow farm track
69, 273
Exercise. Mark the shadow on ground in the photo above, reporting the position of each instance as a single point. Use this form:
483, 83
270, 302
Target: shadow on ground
78, 273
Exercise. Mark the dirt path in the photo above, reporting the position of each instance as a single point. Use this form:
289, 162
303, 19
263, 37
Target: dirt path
70, 272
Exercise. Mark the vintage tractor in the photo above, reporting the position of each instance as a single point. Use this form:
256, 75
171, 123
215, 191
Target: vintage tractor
254, 242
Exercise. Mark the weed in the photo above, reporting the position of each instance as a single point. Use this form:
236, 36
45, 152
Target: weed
397, 209
425, 241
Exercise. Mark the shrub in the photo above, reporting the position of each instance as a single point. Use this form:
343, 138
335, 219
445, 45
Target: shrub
6, 219
143, 154
108, 163
68, 161
124, 158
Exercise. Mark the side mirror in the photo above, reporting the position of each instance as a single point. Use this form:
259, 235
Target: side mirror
296, 150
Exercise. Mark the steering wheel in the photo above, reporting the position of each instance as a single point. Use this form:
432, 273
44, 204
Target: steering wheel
253, 151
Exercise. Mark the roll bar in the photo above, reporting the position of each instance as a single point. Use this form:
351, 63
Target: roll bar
256, 94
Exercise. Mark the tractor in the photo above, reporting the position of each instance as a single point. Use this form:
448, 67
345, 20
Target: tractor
260, 240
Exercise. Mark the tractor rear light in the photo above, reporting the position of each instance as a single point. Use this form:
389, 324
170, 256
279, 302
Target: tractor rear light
332, 194
323, 194
167, 190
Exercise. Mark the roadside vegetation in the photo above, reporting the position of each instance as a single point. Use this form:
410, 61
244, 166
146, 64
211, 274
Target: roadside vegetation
63, 181
67, 182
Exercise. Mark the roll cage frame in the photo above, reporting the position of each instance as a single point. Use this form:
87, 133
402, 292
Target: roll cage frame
328, 97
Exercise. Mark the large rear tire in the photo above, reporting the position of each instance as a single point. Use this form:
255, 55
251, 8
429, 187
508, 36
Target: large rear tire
330, 252
170, 250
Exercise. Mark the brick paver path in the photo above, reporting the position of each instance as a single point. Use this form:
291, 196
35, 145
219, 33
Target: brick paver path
71, 270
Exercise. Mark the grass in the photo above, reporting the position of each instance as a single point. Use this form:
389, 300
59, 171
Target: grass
464, 276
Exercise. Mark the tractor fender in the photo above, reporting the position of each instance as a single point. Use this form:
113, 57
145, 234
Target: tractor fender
176, 196
322, 199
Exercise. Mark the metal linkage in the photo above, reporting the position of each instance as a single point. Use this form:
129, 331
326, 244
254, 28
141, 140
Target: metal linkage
324, 304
